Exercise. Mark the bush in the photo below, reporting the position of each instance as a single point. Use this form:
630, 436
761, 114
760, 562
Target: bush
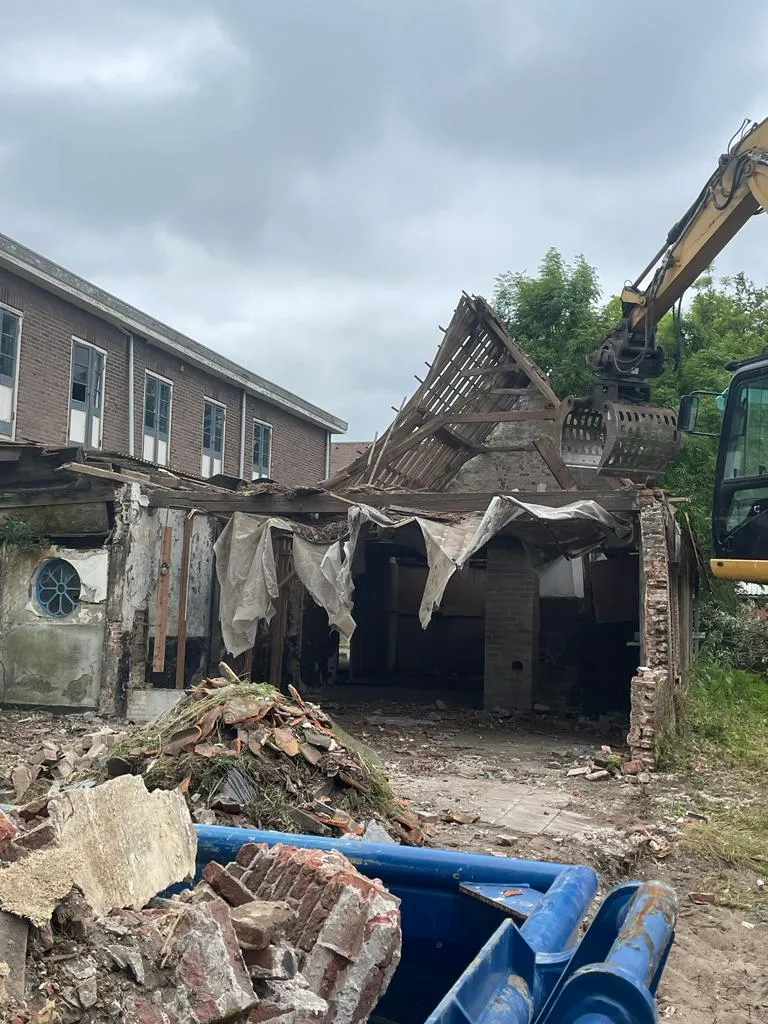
733, 641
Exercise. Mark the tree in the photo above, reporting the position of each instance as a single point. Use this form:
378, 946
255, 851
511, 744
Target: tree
557, 318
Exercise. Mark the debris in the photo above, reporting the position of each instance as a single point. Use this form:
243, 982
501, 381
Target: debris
581, 770
117, 843
598, 775
376, 833
644, 778
259, 923
460, 817
21, 777
631, 768
542, 709
7, 830
13, 953
246, 754
506, 841
747, 924
702, 897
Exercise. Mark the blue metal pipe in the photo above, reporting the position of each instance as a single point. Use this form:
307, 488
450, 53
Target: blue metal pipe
555, 922
644, 935
403, 864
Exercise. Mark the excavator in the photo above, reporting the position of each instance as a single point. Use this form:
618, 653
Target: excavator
616, 431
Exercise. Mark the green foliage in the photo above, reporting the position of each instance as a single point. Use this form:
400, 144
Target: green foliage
556, 317
726, 717
18, 535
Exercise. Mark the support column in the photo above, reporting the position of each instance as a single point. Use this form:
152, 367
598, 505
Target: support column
511, 627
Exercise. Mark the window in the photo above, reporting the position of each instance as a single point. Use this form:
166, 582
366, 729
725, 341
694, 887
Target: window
747, 432
86, 395
10, 324
213, 438
157, 419
58, 587
262, 450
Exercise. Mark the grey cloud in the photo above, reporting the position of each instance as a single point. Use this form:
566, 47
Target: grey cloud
310, 185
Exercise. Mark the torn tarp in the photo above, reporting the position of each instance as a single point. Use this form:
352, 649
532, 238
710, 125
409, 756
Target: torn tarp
245, 561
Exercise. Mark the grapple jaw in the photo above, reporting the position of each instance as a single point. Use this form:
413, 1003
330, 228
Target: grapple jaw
613, 438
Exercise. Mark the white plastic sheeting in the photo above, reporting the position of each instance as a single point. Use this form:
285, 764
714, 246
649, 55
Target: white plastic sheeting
245, 561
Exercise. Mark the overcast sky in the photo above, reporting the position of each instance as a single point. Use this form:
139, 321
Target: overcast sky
308, 185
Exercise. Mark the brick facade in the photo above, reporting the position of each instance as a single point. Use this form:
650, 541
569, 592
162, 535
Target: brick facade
511, 627
49, 324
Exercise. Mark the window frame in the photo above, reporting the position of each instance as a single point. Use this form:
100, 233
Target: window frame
262, 424
156, 437
209, 452
5, 307
103, 353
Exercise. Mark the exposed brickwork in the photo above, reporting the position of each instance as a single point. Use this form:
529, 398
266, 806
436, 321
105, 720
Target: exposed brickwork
48, 326
511, 627
666, 613
298, 447
346, 928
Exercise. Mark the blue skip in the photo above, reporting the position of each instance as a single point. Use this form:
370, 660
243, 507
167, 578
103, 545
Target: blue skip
498, 940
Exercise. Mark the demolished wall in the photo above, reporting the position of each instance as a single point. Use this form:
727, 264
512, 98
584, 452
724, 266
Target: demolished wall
666, 620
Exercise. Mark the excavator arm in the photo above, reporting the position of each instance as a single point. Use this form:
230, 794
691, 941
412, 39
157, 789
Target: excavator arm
615, 430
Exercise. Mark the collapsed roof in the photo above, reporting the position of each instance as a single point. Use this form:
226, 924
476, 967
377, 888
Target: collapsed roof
479, 378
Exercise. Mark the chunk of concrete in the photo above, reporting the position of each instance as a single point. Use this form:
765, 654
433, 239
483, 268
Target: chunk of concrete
117, 843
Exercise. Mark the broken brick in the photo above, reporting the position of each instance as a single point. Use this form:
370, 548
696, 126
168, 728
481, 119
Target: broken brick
259, 923
230, 889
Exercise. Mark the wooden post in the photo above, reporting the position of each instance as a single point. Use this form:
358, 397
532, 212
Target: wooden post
163, 585
392, 615
181, 632
280, 619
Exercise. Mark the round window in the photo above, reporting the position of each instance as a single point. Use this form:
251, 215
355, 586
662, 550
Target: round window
58, 587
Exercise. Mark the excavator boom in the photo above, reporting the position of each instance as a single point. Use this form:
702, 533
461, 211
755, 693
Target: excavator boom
615, 430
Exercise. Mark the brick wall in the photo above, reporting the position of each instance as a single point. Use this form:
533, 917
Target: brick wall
48, 326
666, 629
511, 627
298, 447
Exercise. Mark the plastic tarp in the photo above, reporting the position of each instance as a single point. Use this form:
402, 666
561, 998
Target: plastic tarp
245, 561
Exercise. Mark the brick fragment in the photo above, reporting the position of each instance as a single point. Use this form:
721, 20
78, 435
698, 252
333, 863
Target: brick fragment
230, 889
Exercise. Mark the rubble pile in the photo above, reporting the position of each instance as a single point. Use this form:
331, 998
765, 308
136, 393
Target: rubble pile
606, 764
242, 754
282, 934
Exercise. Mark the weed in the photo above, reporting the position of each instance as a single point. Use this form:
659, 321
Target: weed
725, 719
736, 837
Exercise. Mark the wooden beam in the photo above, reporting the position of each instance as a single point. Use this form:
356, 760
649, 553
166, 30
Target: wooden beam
515, 416
126, 476
181, 633
161, 616
455, 440
545, 446
530, 369
620, 500
479, 371
512, 391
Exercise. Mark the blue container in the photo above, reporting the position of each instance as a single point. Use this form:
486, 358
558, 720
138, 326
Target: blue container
498, 940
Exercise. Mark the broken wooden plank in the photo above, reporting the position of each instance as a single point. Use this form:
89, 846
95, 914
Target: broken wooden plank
163, 587
455, 440
480, 371
545, 446
181, 633
513, 416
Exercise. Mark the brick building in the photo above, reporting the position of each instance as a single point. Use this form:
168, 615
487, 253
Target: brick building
79, 366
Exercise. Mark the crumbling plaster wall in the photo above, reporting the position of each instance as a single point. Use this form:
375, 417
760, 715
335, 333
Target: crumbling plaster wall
53, 662
666, 629
134, 574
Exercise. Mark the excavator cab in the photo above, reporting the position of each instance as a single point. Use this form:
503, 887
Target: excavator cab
740, 508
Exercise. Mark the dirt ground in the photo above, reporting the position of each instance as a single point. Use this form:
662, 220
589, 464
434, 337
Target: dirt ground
501, 786
446, 760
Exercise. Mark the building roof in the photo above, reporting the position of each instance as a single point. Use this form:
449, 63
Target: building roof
478, 379
344, 453
43, 272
